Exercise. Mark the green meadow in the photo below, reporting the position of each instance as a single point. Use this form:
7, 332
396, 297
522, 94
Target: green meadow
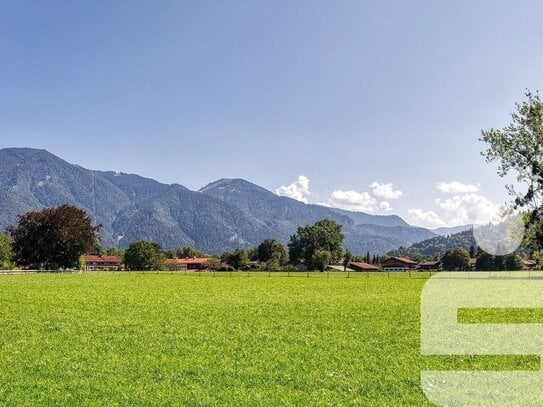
174, 339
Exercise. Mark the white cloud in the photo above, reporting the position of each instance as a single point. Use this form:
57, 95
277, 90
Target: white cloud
298, 190
386, 191
455, 187
429, 219
357, 202
353, 201
385, 206
349, 200
468, 209
364, 201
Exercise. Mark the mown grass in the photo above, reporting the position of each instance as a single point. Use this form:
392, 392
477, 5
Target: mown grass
170, 339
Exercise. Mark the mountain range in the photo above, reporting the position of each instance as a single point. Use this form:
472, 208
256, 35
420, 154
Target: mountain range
221, 216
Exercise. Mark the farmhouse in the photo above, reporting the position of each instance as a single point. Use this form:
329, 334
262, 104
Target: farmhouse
191, 263
399, 264
102, 263
363, 266
429, 265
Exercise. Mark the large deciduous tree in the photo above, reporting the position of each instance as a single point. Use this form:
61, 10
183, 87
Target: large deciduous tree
143, 255
321, 259
271, 249
456, 259
484, 262
237, 259
53, 238
512, 261
323, 235
519, 149
213, 263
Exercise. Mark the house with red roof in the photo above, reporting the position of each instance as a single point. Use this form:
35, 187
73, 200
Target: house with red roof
362, 266
399, 264
92, 262
190, 263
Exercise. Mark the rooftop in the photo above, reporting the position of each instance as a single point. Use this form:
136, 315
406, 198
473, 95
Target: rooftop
363, 265
190, 260
101, 259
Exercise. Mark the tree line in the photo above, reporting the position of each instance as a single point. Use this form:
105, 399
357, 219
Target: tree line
458, 259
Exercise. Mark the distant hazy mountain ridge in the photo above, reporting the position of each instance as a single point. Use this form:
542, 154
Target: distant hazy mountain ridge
446, 231
223, 215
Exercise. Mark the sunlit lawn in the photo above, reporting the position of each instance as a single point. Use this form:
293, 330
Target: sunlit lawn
170, 339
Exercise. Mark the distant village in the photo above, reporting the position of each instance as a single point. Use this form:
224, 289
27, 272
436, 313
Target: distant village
63, 238
394, 264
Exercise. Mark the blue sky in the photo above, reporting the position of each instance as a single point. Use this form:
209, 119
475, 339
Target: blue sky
346, 94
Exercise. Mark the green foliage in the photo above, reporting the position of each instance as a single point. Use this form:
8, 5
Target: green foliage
487, 262
53, 238
519, 148
97, 249
512, 261
537, 256
213, 263
418, 257
323, 235
113, 251
456, 259
143, 255
499, 263
253, 253
271, 249
170, 254
532, 233
189, 252
238, 259
484, 262
6, 251
272, 264
321, 259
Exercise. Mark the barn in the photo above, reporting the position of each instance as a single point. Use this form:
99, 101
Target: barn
399, 264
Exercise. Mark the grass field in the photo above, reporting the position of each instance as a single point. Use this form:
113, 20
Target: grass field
142, 339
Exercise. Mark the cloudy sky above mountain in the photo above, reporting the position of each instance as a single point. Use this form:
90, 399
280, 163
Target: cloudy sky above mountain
457, 203
373, 106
